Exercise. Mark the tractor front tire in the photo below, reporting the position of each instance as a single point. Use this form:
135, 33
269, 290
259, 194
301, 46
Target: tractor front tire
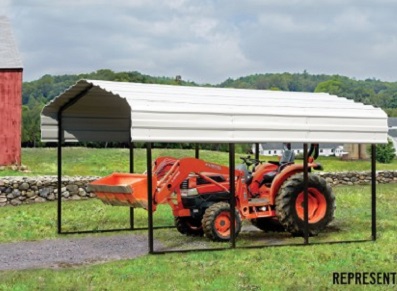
217, 222
268, 224
290, 204
189, 226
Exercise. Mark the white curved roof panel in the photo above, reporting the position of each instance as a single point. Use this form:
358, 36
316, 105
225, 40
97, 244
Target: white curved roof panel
119, 111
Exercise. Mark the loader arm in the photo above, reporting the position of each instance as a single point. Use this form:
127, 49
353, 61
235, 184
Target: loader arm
168, 174
180, 171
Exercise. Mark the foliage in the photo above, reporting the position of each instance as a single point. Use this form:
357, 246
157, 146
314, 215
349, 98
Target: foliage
385, 153
31, 122
369, 91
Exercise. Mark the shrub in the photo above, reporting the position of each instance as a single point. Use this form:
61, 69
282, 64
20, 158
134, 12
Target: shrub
385, 153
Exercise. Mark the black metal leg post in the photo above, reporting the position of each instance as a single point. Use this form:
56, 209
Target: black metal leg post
197, 151
232, 182
306, 194
149, 195
59, 173
373, 190
257, 151
132, 171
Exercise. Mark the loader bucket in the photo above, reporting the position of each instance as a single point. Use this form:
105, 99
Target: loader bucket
123, 189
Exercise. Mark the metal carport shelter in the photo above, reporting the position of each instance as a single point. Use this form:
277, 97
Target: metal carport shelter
130, 112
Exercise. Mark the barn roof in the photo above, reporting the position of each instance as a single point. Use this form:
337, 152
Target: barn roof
119, 111
9, 56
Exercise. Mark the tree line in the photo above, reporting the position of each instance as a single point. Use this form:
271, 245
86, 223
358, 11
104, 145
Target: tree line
36, 94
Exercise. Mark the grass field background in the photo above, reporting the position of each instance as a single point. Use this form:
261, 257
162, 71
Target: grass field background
89, 161
271, 268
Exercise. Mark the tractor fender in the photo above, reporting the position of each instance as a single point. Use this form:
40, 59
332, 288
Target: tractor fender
282, 177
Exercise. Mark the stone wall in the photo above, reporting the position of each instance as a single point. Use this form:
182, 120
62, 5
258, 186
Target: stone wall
24, 190
359, 178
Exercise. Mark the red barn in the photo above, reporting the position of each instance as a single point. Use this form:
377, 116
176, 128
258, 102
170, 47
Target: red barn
10, 96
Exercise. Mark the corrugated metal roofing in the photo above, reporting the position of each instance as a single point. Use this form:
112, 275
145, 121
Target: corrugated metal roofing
110, 111
9, 56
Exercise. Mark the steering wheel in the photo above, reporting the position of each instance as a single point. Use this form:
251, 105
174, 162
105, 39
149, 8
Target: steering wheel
250, 161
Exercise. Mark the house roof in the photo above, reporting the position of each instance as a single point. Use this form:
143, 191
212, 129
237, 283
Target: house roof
393, 133
392, 122
120, 111
9, 56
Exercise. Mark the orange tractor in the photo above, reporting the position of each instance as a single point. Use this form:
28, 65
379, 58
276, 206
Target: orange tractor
270, 194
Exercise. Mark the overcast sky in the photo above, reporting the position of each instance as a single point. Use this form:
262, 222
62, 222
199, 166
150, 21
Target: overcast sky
206, 41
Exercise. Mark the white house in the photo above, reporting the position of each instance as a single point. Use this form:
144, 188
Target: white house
276, 149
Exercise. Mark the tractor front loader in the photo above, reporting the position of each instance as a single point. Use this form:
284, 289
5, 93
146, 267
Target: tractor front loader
270, 195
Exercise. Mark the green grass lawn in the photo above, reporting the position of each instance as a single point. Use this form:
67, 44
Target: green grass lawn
274, 268
101, 162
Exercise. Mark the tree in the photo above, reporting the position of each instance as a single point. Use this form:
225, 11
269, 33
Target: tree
31, 122
335, 87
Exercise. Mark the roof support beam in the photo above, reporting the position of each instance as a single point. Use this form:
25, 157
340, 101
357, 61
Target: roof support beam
197, 151
257, 151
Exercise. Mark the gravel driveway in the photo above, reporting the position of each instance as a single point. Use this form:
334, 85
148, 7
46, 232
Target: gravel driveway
58, 253
61, 253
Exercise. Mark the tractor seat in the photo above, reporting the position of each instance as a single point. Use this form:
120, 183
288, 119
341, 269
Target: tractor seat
268, 177
287, 158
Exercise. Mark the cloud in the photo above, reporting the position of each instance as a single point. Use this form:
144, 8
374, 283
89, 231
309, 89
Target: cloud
206, 41
323, 38
5, 7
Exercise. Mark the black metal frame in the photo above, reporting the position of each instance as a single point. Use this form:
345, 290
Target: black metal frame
151, 227
232, 205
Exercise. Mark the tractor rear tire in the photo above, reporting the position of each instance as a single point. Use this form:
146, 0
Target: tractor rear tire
268, 224
290, 199
216, 222
189, 226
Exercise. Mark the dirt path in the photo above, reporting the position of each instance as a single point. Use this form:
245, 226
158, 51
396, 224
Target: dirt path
58, 253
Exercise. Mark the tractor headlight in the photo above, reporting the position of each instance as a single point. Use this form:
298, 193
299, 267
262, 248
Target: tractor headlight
189, 192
